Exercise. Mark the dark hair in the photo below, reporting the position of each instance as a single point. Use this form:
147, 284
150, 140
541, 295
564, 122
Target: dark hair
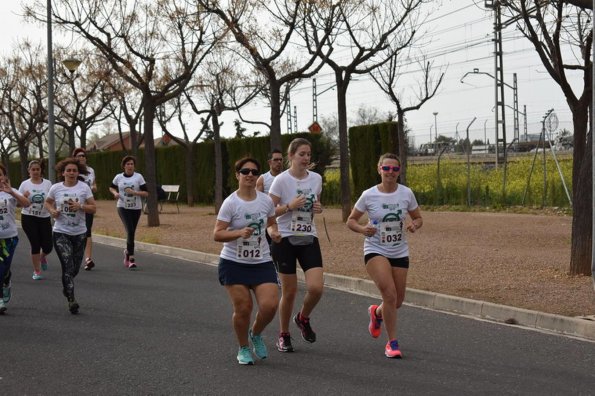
389, 156
3, 169
126, 159
243, 161
61, 166
78, 150
274, 151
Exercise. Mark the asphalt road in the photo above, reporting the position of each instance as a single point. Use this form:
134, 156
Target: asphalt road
166, 329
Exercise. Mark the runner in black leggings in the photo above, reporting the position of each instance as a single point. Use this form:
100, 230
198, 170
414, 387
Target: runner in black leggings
128, 187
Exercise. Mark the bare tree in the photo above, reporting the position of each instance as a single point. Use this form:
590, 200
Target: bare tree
552, 27
82, 96
274, 43
128, 105
176, 109
154, 45
369, 34
386, 77
23, 91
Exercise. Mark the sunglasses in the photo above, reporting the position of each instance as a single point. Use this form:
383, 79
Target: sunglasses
81, 155
389, 168
277, 159
246, 171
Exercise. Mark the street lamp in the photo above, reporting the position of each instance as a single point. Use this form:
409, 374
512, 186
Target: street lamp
50, 76
71, 64
514, 88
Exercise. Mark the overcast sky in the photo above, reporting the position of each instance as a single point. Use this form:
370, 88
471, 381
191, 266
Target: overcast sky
460, 40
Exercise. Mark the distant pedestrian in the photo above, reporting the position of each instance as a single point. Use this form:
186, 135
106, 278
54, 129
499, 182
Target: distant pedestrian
245, 263
35, 219
81, 155
129, 187
67, 202
9, 236
296, 195
386, 252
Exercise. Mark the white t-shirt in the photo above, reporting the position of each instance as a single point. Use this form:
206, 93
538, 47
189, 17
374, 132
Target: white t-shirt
388, 212
267, 180
134, 181
89, 178
70, 223
37, 195
239, 214
8, 206
286, 187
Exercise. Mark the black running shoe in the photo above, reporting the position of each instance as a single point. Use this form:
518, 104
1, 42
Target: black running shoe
73, 306
304, 324
284, 343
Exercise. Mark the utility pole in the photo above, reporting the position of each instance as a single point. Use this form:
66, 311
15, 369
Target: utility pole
288, 113
435, 128
314, 101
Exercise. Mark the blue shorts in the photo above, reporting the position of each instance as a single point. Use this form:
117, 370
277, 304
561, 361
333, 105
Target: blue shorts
234, 273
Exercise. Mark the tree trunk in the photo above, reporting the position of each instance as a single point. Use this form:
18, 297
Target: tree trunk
40, 146
582, 209
401, 149
218, 163
150, 168
189, 174
23, 156
83, 136
275, 135
343, 146
71, 138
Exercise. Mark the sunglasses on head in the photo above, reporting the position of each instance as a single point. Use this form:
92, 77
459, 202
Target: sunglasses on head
387, 168
246, 171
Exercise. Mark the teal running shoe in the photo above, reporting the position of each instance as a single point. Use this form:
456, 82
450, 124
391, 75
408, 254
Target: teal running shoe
258, 346
245, 356
6, 294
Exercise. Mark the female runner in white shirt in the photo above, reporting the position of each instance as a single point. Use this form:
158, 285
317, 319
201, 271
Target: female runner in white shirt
81, 155
35, 219
9, 236
67, 202
296, 195
129, 187
245, 262
386, 252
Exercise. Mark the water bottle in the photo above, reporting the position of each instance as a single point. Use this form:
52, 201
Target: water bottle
373, 223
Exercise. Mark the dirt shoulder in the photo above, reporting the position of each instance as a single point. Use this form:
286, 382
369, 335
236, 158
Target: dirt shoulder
518, 260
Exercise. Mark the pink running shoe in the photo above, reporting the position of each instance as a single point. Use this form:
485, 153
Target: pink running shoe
131, 263
375, 325
392, 350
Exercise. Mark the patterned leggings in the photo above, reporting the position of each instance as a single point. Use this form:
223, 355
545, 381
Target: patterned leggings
7, 248
70, 250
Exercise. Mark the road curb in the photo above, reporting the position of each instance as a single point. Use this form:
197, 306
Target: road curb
577, 327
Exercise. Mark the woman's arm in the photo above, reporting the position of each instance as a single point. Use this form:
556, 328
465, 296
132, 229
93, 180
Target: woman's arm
50, 205
22, 201
222, 234
416, 220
